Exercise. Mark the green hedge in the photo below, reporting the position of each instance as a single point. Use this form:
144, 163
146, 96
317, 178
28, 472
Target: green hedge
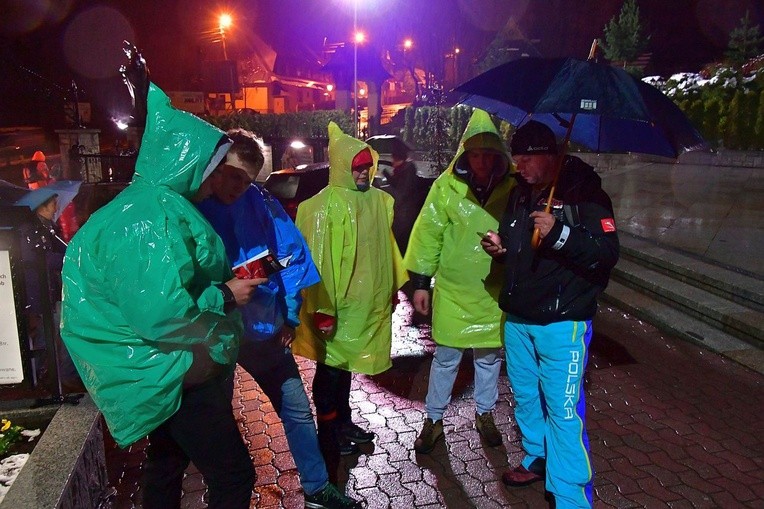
727, 109
303, 124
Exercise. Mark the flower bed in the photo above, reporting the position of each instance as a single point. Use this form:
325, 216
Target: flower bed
18, 438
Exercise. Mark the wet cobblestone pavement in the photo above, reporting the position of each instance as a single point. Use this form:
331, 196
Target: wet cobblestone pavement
670, 425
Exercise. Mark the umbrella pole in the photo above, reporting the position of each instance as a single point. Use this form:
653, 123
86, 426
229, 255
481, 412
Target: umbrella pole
536, 238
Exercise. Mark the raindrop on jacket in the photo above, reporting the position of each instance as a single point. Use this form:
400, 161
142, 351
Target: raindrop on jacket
350, 237
139, 275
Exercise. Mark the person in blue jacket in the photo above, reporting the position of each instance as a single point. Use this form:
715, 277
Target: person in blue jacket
250, 221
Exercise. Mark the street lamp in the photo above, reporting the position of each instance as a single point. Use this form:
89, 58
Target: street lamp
359, 38
224, 22
456, 65
355, 68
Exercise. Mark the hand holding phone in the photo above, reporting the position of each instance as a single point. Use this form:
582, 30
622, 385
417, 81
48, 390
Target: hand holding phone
491, 243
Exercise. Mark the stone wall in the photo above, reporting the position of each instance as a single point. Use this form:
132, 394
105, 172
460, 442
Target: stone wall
726, 158
67, 468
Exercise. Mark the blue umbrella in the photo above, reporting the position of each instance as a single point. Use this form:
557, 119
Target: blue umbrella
607, 109
66, 190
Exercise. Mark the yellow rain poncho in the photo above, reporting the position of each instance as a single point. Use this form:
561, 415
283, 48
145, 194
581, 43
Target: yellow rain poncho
350, 237
444, 243
139, 275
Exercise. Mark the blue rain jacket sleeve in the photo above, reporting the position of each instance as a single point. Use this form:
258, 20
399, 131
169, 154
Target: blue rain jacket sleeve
252, 224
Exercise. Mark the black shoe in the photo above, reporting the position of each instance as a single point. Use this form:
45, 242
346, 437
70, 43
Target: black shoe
330, 498
356, 434
346, 447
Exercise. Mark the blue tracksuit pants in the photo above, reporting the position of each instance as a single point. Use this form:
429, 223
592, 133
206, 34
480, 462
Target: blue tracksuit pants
546, 364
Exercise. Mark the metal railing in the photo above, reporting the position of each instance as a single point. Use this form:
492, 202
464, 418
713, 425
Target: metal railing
97, 168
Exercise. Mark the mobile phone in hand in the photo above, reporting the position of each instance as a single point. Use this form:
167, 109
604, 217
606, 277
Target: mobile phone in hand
484, 236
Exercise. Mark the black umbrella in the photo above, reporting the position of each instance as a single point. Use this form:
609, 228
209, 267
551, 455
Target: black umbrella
611, 110
595, 105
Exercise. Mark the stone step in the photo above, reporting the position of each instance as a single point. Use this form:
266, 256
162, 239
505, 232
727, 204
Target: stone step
714, 310
744, 289
682, 325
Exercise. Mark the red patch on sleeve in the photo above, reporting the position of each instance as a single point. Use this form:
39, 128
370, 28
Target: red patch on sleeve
608, 224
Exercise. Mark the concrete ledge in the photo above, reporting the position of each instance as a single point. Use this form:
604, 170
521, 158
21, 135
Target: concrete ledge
725, 282
67, 468
675, 322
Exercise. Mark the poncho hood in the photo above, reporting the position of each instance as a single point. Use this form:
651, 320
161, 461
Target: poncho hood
480, 133
176, 147
342, 149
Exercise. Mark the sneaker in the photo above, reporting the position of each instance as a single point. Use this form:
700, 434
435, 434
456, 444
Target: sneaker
487, 429
346, 447
330, 498
521, 476
431, 433
355, 433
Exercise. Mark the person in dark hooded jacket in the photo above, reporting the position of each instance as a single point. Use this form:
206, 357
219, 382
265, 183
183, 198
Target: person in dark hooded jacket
549, 297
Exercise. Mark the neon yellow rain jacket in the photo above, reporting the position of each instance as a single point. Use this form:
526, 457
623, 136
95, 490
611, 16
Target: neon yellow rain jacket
350, 237
444, 243
139, 275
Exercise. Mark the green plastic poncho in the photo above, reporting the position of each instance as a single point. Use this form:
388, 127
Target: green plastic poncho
444, 243
349, 233
139, 275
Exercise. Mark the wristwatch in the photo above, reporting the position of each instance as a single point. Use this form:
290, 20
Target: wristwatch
229, 300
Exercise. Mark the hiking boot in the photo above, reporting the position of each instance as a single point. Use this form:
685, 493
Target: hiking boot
346, 447
330, 498
521, 476
431, 433
487, 429
355, 433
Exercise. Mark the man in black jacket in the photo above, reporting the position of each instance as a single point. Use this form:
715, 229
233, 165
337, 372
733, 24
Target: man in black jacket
549, 296
409, 191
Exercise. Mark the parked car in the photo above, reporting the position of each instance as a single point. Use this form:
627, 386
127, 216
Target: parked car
295, 185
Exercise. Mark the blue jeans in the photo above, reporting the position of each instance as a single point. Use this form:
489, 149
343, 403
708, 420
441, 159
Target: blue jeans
273, 367
445, 366
546, 365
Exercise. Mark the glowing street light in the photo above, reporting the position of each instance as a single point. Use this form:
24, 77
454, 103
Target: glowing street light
407, 44
355, 68
224, 22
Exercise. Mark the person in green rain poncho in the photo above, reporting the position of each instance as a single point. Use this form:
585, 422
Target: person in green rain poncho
463, 204
347, 317
149, 314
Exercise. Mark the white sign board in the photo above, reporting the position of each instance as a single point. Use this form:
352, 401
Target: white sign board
11, 369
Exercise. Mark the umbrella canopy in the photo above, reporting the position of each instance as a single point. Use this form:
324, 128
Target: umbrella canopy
65, 189
614, 112
387, 144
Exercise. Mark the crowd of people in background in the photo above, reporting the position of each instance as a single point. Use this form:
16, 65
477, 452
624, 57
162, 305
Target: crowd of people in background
155, 320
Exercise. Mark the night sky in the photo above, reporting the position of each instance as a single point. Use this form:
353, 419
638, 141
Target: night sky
45, 44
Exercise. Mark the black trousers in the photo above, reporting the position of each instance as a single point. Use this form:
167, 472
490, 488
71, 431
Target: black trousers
204, 431
331, 393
